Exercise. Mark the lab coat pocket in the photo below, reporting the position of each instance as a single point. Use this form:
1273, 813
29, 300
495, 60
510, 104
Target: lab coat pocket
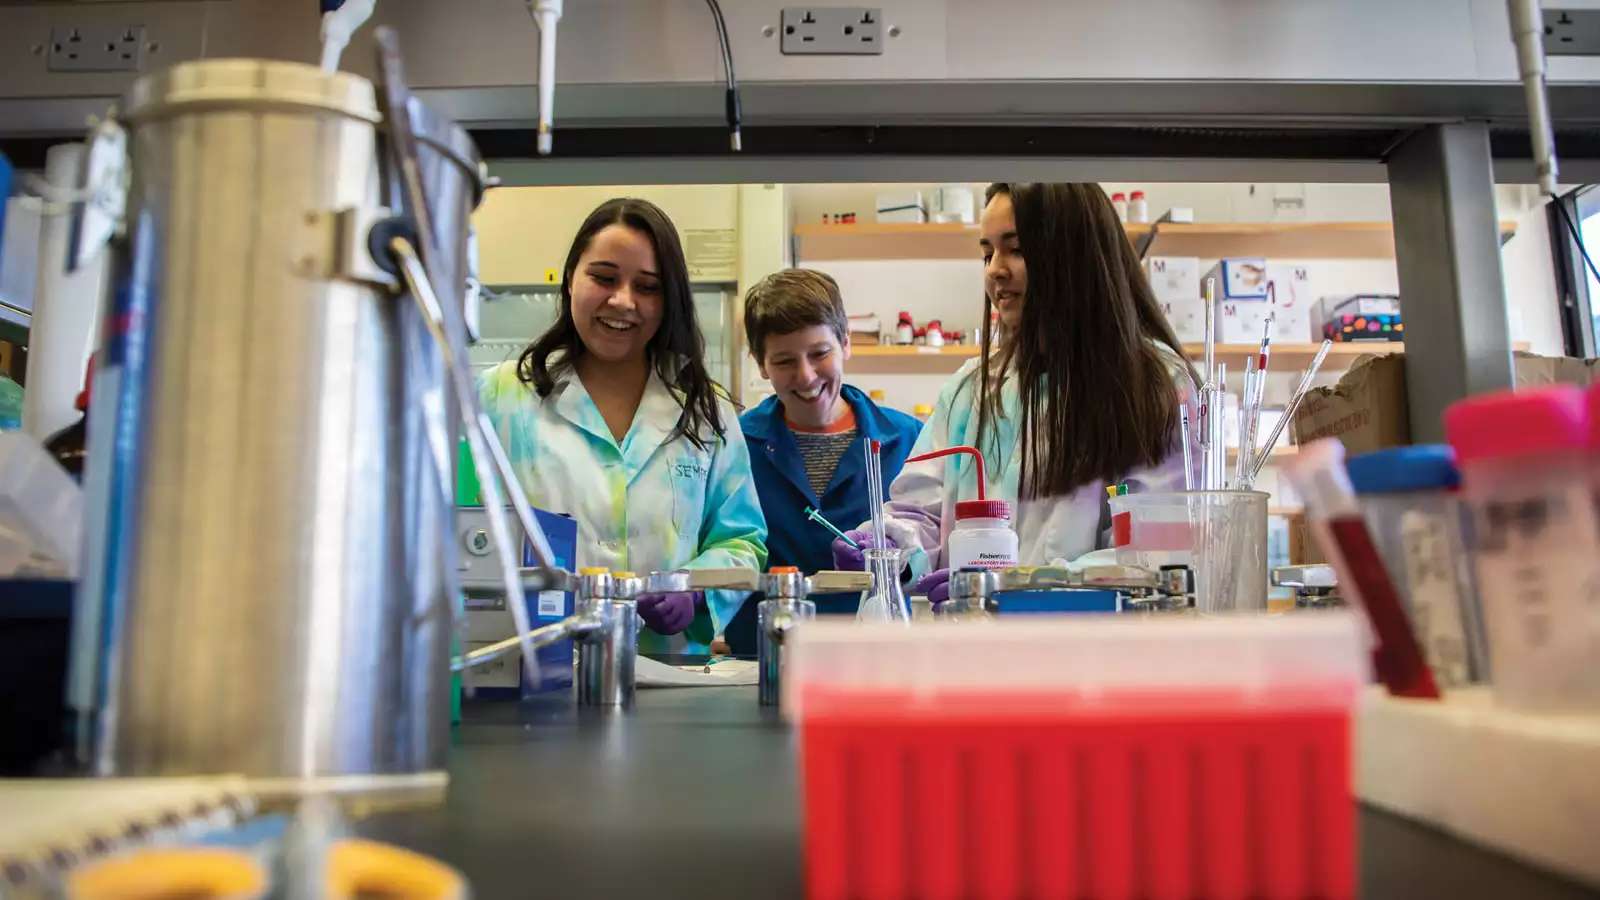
689, 473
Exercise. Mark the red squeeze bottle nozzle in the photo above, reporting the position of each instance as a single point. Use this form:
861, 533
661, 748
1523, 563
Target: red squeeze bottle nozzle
951, 451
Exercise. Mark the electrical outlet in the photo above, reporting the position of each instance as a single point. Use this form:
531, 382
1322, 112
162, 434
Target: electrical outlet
832, 31
1572, 32
96, 48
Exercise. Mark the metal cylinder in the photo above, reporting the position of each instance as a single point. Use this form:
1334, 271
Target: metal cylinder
776, 616
970, 592
607, 652
278, 565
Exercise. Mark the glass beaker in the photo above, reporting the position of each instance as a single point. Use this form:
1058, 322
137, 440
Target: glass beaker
1221, 535
884, 601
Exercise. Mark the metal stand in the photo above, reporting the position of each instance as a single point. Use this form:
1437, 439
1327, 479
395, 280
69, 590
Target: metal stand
783, 609
1447, 249
606, 638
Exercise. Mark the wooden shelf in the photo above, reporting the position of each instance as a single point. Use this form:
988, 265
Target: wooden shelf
1278, 240
1208, 240
1298, 355
889, 358
962, 351
893, 359
870, 240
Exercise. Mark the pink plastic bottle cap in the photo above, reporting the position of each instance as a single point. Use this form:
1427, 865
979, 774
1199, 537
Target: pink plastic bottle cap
1138, 195
1118, 196
983, 509
1525, 423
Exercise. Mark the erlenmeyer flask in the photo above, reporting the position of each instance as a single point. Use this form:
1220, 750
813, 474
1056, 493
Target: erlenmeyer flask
884, 601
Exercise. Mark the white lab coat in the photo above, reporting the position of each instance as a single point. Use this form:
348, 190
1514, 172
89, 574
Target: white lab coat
1060, 529
644, 504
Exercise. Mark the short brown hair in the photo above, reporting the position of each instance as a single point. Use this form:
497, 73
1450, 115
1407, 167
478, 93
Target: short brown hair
789, 300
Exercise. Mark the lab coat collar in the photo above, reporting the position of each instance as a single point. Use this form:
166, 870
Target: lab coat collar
654, 421
573, 403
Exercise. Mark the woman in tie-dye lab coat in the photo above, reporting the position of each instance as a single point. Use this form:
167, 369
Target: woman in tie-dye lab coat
611, 418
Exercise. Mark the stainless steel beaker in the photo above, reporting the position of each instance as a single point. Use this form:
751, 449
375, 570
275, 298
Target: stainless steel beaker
276, 561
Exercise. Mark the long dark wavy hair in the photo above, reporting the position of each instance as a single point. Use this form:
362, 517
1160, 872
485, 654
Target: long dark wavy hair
676, 352
1097, 396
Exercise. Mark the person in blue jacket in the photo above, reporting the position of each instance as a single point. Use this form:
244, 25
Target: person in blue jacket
806, 442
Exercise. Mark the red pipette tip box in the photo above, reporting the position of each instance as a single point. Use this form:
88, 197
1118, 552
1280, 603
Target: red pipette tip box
1039, 786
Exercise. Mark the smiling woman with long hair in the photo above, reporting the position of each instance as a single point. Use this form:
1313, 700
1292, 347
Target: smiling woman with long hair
611, 418
1077, 388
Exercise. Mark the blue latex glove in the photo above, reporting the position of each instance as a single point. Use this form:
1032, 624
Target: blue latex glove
669, 613
848, 558
936, 585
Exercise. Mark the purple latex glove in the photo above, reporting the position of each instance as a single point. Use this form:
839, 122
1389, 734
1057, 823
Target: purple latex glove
936, 585
669, 613
848, 558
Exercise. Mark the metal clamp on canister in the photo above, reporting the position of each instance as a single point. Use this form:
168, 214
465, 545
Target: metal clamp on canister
608, 641
1315, 586
785, 607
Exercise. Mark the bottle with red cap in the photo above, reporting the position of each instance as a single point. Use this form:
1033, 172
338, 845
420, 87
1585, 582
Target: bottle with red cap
1525, 462
1138, 208
983, 536
1119, 202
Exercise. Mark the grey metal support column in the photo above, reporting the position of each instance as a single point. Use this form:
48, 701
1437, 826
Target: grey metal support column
1447, 250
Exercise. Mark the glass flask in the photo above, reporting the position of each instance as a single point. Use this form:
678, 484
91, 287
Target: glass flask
884, 601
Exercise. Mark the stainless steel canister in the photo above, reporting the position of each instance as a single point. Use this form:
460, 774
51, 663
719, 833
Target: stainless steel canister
276, 560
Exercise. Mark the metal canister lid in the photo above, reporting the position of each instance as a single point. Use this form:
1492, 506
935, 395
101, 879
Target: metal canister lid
788, 584
248, 83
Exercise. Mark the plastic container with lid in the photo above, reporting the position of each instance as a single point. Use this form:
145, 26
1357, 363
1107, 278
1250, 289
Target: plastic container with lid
1409, 502
1525, 463
1138, 209
982, 537
904, 330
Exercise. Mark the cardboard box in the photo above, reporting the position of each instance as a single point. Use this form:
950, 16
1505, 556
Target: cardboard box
1242, 292
1366, 410
1175, 281
1533, 370
1240, 278
1361, 317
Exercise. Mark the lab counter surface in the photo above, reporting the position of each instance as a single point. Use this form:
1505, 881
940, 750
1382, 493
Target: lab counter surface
695, 794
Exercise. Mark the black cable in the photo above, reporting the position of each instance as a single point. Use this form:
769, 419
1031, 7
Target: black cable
731, 106
1577, 236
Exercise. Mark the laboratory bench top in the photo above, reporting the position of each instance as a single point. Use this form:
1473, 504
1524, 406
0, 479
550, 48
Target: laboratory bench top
694, 793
